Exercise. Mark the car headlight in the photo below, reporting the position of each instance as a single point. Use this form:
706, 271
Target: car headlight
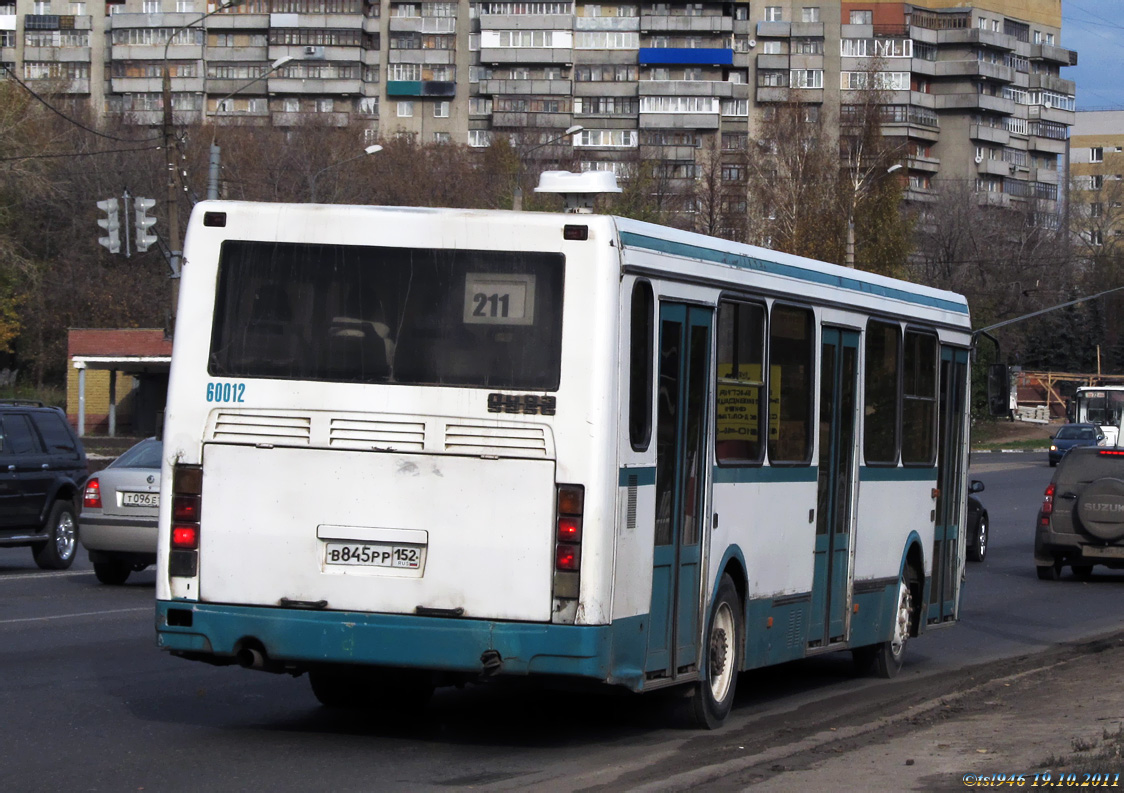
1053, 448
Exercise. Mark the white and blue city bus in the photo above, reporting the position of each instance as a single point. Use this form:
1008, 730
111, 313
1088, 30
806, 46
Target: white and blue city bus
408, 447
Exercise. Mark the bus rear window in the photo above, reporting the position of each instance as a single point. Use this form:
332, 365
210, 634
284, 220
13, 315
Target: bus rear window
388, 315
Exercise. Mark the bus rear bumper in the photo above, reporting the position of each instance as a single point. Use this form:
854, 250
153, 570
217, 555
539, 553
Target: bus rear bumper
297, 638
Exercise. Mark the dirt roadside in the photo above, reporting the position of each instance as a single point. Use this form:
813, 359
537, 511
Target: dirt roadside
1060, 712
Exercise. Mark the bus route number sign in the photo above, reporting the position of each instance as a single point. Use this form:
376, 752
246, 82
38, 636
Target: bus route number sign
527, 404
499, 299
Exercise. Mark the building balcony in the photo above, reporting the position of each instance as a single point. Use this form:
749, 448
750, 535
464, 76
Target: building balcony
241, 87
154, 85
906, 129
625, 24
1048, 52
995, 167
149, 52
531, 87
154, 118
989, 134
318, 21
919, 195
1046, 175
56, 86
807, 30
685, 56
310, 119
772, 61
558, 121
717, 88
236, 54
517, 55
314, 85
422, 24
527, 22
421, 88
807, 96
925, 164
801, 61
974, 101
975, 68
679, 120
663, 23
977, 37
923, 67
1043, 113
57, 54
226, 22
999, 200
1048, 145
774, 30
597, 89
1049, 82
239, 118
301, 53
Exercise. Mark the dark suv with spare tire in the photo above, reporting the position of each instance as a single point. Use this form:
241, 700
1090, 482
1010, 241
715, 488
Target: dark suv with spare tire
42, 469
1081, 521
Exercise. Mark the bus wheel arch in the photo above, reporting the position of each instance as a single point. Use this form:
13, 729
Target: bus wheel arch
887, 657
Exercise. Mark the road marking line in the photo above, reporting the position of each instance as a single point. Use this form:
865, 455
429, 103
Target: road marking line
82, 614
45, 574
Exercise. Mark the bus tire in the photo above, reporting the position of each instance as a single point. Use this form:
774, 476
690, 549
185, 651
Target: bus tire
889, 655
712, 698
113, 572
370, 687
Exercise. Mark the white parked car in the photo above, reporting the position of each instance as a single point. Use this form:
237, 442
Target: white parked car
119, 513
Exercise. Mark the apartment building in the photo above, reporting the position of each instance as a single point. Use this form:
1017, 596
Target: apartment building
974, 92
1096, 161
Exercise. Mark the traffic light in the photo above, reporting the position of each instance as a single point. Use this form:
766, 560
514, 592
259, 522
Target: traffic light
144, 222
112, 238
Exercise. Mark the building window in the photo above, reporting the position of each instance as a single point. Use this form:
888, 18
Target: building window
1096, 182
292, 104
42, 7
440, 109
77, 9
442, 138
774, 14
771, 47
405, 110
479, 138
810, 14
1096, 210
1096, 237
806, 78
150, 7
862, 17
1096, 154
185, 6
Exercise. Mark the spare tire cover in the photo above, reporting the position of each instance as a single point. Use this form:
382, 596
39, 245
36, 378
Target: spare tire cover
1100, 508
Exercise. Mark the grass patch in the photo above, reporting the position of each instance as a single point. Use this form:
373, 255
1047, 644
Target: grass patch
1085, 766
1026, 444
54, 397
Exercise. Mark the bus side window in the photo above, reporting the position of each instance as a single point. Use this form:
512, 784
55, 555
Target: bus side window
880, 413
919, 399
641, 339
739, 404
791, 377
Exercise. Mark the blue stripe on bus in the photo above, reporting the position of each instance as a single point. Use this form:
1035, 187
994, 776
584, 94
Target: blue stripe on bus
635, 240
644, 476
609, 653
757, 473
888, 474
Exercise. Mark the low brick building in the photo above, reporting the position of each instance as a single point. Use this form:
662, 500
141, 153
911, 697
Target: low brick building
117, 380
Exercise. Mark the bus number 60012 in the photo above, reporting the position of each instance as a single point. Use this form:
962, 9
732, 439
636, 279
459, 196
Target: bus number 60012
226, 392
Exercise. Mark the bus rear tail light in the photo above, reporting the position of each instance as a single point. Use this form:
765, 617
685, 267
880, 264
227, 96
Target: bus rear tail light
569, 509
187, 498
1047, 505
91, 498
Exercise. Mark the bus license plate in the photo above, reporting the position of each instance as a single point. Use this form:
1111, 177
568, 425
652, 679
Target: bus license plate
140, 499
374, 554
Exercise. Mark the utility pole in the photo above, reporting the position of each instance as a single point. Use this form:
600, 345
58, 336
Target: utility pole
173, 195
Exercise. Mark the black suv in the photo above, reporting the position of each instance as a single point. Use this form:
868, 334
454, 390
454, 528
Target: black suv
1081, 521
42, 470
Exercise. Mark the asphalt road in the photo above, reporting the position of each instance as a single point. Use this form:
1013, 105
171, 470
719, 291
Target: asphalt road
89, 703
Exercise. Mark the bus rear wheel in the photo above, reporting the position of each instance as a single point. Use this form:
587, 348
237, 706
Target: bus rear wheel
712, 698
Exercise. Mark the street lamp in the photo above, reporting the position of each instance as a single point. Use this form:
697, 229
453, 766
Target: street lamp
850, 253
372, 149
517, 194
215, 165
174, 242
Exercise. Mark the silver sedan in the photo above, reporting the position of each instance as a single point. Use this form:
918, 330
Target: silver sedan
119, 513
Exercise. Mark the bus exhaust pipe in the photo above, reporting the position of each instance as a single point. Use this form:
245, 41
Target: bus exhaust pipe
250, 658
492, 663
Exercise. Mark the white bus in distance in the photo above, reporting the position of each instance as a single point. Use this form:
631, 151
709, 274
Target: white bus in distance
1101, 405
412, 447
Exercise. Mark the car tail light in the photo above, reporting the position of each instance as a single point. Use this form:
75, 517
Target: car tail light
92, 497
1111, 452
570, 509
1047, 505
187, 496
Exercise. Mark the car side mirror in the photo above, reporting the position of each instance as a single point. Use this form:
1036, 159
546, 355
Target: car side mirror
976, 486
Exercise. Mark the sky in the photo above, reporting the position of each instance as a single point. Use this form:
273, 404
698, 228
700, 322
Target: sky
1095, 29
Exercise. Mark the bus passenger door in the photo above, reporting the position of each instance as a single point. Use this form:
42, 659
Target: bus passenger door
681, 489
831, 574
947, 539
